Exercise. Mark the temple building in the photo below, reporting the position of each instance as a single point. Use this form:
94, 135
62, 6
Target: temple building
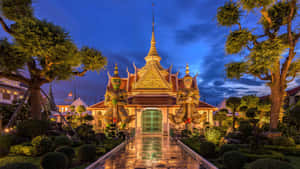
152, 99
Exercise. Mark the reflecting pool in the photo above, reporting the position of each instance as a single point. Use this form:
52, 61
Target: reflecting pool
151, 152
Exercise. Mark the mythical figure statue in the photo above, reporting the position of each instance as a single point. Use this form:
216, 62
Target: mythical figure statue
188, 99
116, 99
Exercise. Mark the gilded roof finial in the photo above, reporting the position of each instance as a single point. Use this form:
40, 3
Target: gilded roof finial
116, 72
187, 69
153, 54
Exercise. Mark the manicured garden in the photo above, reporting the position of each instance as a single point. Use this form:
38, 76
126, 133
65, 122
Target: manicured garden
36, 144
245, 141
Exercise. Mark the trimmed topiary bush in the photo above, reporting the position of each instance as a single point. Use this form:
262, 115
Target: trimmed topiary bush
234, 160
19, 166
87, 153
26, 150
62, 141
32, 128
5, 142
86, 133
54, 160
213, 135
42, 144
283, 141
68, 151
207, 149
227, 147
269, 164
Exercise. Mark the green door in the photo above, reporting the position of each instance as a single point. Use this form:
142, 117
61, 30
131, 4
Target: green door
152, 121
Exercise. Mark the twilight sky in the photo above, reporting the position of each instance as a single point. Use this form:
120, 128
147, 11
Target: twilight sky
186, 32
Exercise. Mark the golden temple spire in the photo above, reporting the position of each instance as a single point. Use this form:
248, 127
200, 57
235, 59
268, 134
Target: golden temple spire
116, 72
153, 54
187, 69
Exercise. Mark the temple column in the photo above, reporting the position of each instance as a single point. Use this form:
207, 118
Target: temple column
138, 121
211, 118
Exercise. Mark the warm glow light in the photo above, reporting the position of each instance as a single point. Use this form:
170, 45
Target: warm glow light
6, 130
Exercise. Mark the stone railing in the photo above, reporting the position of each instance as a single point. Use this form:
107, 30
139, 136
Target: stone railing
203, 162
97, 164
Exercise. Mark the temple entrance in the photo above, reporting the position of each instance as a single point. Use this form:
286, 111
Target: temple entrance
152, 121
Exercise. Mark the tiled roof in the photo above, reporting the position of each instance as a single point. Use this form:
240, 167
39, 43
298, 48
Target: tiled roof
97, 105
205, 105
293, 91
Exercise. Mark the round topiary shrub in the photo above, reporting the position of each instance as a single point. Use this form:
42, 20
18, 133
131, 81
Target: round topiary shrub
42, 144
87, 153
5, 142
68, 151
227, 147
19, 165
62, 141
54, 160
283, 141
32, 128
234, 160
207, 149
213, 135
86, 133
269, 164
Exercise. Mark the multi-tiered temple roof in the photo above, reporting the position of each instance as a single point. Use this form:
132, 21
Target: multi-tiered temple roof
152, 84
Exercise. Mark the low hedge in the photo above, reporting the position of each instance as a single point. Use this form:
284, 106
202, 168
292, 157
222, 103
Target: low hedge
19, 165
269, 164
227, 147
26, 150
293, 151
269, 154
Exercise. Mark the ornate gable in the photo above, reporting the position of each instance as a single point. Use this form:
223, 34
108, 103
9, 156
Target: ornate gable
152, 79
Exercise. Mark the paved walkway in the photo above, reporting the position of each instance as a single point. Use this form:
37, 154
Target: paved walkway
151, 152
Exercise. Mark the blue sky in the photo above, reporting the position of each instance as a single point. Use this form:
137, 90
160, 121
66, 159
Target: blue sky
186, 32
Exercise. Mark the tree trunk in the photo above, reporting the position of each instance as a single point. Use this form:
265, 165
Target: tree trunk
233, 120
35, 102
277, 97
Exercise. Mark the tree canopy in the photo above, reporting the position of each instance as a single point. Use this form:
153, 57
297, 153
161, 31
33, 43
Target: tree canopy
41, 50
268, 47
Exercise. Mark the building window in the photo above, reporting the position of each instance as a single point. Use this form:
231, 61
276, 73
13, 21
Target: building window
6, 96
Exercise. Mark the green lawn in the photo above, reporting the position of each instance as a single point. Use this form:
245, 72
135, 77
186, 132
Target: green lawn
15, 158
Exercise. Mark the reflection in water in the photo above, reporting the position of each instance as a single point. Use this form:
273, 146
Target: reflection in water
151, 148
146, 152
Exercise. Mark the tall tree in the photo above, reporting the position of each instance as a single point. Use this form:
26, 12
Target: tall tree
44, 51
233, 103
268, 47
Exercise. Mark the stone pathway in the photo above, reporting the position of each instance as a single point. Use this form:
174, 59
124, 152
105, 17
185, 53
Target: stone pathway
151, 152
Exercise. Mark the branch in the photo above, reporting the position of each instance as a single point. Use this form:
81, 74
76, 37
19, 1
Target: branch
266, 15
82, 73
5, 27
292, 42
267, 77
15, 77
